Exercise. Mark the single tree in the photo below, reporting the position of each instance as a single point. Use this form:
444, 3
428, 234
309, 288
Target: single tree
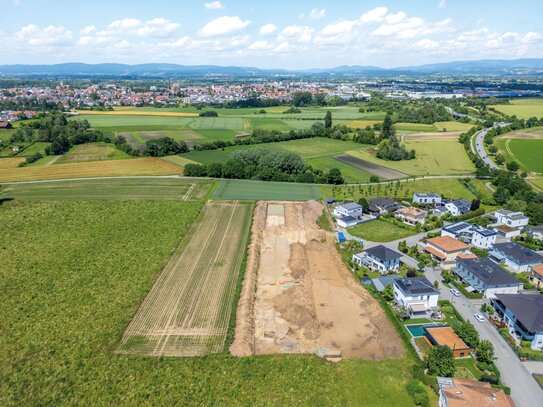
328, 120
467, 332
513, 166
363, 202
388, 293
440, 361
485, 351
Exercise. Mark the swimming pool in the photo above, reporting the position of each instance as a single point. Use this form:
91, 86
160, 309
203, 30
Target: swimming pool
417, 330
341, 237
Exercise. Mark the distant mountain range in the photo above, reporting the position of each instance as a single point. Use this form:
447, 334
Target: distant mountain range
527, 66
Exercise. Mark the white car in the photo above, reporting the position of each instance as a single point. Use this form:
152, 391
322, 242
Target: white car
479, 317
455, 292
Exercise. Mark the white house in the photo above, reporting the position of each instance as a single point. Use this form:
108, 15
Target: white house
535, 232
483, 238
516, 258
506, 232
416, 294
510, 218
458, 207
457, 230
379, 258
347, 221
348, 209
427, 199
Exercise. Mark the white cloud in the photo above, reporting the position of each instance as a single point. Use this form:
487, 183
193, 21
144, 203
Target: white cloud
296, 33
178, 43
314, 14
260, 46
223, 25
338, 28
442, 4
425, 44
406, 29
124, 24
49, 36
88, 30
267, 29
157, 27
214, 5
395, 18
374, 15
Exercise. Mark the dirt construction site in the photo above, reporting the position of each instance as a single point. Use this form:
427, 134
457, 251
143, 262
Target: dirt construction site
298, 297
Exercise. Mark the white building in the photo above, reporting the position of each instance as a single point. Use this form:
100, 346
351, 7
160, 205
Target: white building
349, 209
511, 219
416, 294
427, 199
458, 207
457, 230
483, 238
379, 258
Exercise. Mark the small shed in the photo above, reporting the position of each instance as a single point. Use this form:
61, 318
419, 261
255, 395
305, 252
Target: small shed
445, 336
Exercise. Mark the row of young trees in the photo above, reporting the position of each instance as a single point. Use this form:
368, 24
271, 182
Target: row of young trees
265, 165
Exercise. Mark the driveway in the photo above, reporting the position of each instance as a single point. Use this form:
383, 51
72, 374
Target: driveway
524, 389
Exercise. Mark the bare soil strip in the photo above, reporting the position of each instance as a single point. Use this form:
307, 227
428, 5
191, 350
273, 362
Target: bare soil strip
298, 297
187, 311
431, 135
381, 172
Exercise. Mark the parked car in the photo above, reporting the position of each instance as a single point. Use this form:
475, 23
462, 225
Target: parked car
455, 292
479, 317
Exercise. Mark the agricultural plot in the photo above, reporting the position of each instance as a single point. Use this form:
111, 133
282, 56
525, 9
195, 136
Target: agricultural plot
109, 168
226, 123
130, 111
350, 173
233, 189
375, 169
523, 108
305, 299
525, 147
117, 120
32, 148
434, 157
269, 124
11, 162
187, 312
110, 189
92, 152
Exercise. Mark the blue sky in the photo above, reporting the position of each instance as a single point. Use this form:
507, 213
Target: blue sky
269, 34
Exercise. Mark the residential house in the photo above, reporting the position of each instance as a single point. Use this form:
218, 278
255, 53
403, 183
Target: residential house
458, 207
416, 294
383, 205
454, 392
411, 216
348, 209
535, 232
440, 211
379, 258
445, 336
347, 221
427, 199
516, 257
445, 249
536, 278
506, 232
381, 282
5, 125
483, 238
510, 218
486, 277
458, 230
523, 315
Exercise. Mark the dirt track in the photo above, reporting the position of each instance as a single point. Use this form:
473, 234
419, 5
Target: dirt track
306, 301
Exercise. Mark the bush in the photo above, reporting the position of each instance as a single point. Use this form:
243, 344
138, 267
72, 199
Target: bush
374, 178
209, 113
526, 344
417, 393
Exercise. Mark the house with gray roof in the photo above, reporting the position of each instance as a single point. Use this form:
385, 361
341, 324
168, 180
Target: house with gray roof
379, 258
416, 294
516, 257
351, 209
427, 199
458, 207
535, 232
485, 276
523, 315
383, 205
459, 230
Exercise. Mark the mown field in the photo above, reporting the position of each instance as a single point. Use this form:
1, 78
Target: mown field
66, 310
525, 147
434, 157
118, 189
523, 108
108, 168
258, 190
380, 231
188, 310
92, 152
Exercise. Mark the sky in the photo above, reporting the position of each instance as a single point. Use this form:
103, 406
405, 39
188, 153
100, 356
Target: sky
291, 34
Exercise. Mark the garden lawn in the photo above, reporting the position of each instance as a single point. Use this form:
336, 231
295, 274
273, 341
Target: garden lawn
380, 231
64, 312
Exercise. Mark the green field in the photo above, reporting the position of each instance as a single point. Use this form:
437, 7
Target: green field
523, 108
36, 147
65, 312
434, 157
381, 231
118, 189
525, 147
92, 152
258, 190
350, 173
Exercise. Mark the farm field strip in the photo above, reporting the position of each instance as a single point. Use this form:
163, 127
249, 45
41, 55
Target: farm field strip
231, 189
11, 162
134, 166
187, 311
136, 112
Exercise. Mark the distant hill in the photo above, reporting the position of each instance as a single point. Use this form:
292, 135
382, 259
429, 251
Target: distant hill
531, 66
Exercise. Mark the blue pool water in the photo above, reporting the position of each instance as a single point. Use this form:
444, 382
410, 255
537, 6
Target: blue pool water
417, 330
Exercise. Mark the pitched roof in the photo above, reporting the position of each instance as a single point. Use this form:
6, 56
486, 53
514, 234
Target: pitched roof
416, 286
447, 243
383, 253
538, 269
468, 393
522, 254
528, 308
487, 271
411, 211
466, 256
382, 202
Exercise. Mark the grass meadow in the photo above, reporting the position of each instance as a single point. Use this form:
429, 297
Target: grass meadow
92, 152
258, 190
523, 108
65, 312
381, 231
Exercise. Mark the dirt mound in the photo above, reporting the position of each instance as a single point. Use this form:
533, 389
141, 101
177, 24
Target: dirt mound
298, 297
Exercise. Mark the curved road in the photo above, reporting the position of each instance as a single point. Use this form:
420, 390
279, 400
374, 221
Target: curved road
480, 148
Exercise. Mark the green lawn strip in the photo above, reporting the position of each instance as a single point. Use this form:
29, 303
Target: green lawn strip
138, 137
259, 190
381, 231
470, 365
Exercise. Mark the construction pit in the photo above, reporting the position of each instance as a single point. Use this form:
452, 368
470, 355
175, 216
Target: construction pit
299, 297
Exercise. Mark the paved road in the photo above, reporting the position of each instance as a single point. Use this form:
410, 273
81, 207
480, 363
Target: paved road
534, 367
524, 389
480, 149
